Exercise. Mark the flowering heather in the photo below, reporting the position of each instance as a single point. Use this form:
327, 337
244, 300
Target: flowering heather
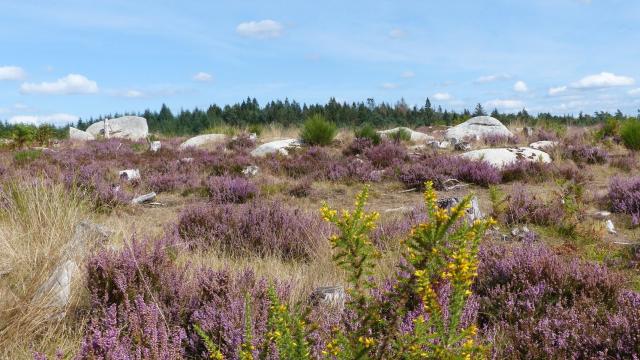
225, 303
354, 169
241, 142
439, 168
226, 189
313, 161
523, 207
535, 304
523, 170
256, 227
625, 163
386, 154
624, 195
358, 146
495, 140
132, 330
586, 154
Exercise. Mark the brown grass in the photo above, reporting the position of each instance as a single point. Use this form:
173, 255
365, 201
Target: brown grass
36, 221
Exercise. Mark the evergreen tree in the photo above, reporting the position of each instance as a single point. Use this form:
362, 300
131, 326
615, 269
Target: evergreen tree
479, 110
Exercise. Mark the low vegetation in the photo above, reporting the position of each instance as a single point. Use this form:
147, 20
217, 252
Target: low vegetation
228, 263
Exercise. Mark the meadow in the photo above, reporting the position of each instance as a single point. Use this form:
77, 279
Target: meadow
227, 263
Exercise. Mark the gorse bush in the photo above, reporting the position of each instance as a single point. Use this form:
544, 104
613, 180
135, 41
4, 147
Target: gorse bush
318, 131
26, 156
630, 134
438, 259
368, 132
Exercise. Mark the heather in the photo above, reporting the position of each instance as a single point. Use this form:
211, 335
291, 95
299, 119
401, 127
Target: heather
257, 227
439, 169
624, 195
228, 259
535, 304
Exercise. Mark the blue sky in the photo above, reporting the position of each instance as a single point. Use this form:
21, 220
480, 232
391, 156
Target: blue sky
67, 59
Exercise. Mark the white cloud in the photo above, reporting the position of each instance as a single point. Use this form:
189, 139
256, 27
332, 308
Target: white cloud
70, 84
397, 33
634, 92
602, 80
557, 90
389, 86
11, 73
442, 96
520, 86
133, 94
60, 119
492, 78
408, 74
202, 76
262, 29
505, 104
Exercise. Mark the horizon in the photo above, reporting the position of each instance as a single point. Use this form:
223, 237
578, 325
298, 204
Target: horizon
75, 60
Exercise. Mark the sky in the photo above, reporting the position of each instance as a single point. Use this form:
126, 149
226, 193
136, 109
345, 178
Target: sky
61, 60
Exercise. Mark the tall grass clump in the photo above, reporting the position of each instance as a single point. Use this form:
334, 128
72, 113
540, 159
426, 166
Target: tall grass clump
318, 131
36, 222
630, 134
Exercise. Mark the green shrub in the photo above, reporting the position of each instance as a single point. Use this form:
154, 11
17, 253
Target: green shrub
630, 134
400, 135
318, 131
255, 128
610, 127
368, 132
26, 156
443, 250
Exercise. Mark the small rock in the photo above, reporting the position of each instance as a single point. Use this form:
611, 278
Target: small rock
130, 174
154, 146
186, 160
58, 285
610, 228
463, 146
440, 144
401, 209
540, 145
528, 131
144, 198
602, 215
416, 136
251, 170
478, 127
328, 295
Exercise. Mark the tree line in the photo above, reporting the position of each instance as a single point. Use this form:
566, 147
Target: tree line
291, 113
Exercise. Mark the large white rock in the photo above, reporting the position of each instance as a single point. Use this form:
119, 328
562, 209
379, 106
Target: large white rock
278, 146
79, 135
477, 128
125, 127
416, 136
543, 144
202, 140
500, 157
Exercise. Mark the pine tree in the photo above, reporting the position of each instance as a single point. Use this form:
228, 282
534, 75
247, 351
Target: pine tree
479, 110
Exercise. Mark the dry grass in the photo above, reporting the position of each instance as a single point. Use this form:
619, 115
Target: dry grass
273, 132
36, 221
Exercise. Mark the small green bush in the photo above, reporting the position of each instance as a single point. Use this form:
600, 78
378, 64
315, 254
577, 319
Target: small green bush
255, 128
368, 132
630, 134
26, 156
318, 131
611, 127
400, 135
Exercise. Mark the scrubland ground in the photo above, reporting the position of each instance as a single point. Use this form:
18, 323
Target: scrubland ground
211, 216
